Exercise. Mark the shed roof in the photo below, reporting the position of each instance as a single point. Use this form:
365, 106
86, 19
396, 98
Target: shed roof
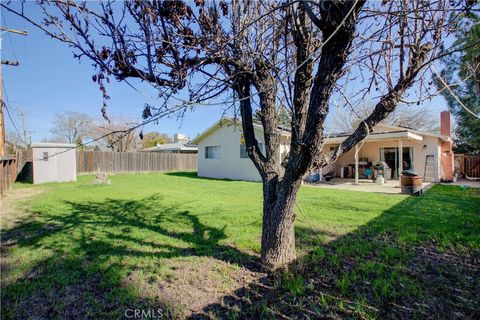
53, 145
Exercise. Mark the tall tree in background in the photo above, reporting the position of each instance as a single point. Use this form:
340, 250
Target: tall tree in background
14, 141
72, 127
260, 55
409, 116
462, 73
151, 139
117, 135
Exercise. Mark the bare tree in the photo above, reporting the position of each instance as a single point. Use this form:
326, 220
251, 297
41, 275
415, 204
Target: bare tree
408, 116
259, 55
72, 127
14, 142
117, 135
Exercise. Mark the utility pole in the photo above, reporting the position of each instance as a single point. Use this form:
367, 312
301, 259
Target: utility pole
2, 102
22, 118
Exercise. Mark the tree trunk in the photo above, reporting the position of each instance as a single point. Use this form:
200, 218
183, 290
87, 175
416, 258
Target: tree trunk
278, 232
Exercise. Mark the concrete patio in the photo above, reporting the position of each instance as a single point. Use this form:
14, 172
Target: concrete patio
390, 187
466, 182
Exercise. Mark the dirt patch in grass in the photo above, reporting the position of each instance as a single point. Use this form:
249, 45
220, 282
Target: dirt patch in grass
187, 287
191, 284
13, 206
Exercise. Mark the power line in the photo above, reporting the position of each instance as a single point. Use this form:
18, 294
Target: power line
34, 115
11, 63
6, 106
11, 120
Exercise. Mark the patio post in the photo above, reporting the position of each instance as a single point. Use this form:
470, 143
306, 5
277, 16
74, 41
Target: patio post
400, 158
356, 164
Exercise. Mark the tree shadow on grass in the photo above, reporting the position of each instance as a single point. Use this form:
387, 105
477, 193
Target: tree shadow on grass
83, 252
194, 175
419, 259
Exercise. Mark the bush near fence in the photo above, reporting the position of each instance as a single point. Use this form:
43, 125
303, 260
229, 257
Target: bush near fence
93, 161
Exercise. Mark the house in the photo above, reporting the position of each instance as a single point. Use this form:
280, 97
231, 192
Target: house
222, 154
180, 144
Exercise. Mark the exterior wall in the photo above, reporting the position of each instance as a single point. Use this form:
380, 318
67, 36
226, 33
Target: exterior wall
61, 165
230, 165
371, 150
446, 161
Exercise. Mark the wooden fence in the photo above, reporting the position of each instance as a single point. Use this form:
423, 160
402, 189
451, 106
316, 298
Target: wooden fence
93, 161
468, 165
8, 174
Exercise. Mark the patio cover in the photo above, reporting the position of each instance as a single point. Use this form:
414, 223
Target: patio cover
399, 136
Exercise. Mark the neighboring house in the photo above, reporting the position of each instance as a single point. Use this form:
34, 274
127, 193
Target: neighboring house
222, 154
180, 144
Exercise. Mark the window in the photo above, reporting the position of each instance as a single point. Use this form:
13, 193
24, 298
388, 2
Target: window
243, 150
45, 156
212, 152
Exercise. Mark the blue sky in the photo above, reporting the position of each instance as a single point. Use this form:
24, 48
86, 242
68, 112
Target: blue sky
49, 80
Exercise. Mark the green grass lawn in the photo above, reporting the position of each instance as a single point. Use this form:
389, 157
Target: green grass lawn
180, 242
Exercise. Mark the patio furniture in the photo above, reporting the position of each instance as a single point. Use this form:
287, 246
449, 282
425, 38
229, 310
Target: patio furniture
381, 168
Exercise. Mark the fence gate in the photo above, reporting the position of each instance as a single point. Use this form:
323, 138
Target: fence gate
468, 165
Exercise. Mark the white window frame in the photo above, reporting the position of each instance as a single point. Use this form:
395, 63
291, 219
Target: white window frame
212, 155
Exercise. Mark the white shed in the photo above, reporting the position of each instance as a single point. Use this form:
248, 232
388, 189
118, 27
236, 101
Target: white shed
54, 162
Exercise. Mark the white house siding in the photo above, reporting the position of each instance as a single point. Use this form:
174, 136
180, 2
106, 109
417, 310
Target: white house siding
230, 165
